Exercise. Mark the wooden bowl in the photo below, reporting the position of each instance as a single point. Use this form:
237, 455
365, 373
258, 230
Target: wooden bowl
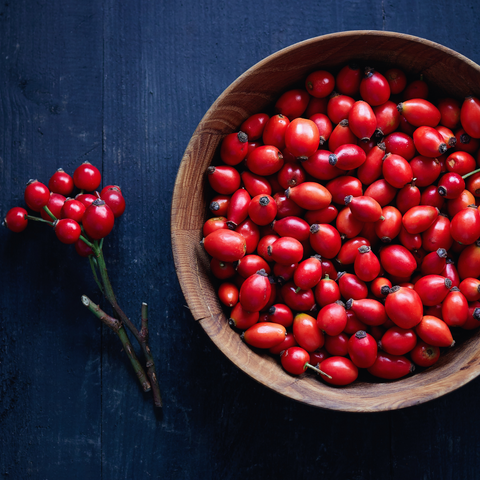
252, 92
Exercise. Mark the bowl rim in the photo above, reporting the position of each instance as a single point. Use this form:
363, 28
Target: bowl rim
210, 320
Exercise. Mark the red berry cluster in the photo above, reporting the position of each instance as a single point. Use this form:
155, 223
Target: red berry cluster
86, 217
345, 229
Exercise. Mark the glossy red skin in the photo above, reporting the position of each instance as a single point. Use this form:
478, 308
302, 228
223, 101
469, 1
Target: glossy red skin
420, 218
397, 260
407, 197
432, 290
364, 208
390, 227
428, 142
348, 157
318, 356
341, 369
253, 126
349, 250
324, 215
447, 135
250, 232
16, 220
310, 195
212, 224
424, 355
377, 284
61, 182
320, 84
284, 273
250, 264
287, 343
228, 294
74, 209
343, 186
339, 107
294, 360
303, 301
362, 120
369, 311
455, 309
430, 196
433, 264
461, 163
264, 243
114, 199
450, 272
371, 169
332, 319
292, 103
401, 144
291, 226
325, 240
326, 292
362, 350
388, 118
98, 221
337, 344
281, 314
224, 245
67, 230
468, 264
255, 184
472, 322
237, 210
347, 224
348, 80
318, 166
241, 319
341, 135
452, 185
36, 195
264, 335
274, 131
286, 250
87, 177
396, 170
262, 209
473, 184
324, 126
449, 111
416, 89
223, 179
306, 332
308, 273
410, 241
55, 204
83, 249
265, 160
462, 201
367, 266
434, 331
397, 80
374, 88
420, 112
465, 226
381, 191
352, 287
465, 142
328, 269
353, 324
391, 367
287, 207
425, 170
470, 287
437, 235
470, 116
291, 174
255, 293
218, 206
316, 105
234, 148
222, 270
398, 341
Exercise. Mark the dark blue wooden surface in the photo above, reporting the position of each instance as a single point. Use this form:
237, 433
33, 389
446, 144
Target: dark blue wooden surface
123, 84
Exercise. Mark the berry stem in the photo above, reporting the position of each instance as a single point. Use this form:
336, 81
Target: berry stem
117, 327
38, 219
151, 371
93, 266
317, 370
84, 240
49, 213
471, 173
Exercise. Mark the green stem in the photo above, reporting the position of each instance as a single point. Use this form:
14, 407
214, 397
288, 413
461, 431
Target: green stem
471, 173
84, 240
317, 370
93, 262
151, 371
49, 213
38, 219
117, 327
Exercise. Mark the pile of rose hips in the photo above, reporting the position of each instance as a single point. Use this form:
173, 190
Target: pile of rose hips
80, 220
345, 228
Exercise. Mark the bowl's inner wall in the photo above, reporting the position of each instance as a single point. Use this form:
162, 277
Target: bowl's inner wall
253, 92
